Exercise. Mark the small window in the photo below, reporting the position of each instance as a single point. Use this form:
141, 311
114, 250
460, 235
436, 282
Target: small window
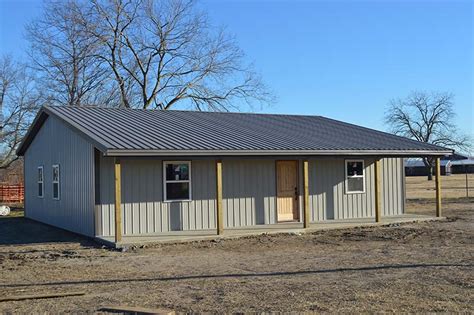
56, 181
40, 182
177, 181
355, 176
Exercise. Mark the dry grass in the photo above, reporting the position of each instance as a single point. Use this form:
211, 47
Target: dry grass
454, 186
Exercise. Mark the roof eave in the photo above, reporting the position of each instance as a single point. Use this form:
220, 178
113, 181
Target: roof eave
398, 153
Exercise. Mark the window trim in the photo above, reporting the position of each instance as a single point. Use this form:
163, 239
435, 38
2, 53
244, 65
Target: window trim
189, 181
356, 176
42, 181
56, 182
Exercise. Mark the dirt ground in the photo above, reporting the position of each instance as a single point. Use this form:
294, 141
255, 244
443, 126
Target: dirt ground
416, 267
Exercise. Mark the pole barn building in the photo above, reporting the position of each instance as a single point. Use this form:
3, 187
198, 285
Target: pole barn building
116, 173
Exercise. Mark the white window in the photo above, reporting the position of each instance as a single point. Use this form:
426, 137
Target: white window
177, 180
355, 176
40, 182
56, 180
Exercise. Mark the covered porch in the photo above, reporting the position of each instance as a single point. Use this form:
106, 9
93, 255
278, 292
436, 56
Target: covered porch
303, 225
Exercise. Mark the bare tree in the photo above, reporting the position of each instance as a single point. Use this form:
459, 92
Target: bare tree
63, 54
19, 101
427, 117
164, 52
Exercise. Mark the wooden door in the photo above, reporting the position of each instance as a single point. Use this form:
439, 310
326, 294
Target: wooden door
287, 190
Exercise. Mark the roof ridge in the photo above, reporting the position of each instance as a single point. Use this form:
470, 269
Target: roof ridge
177, 110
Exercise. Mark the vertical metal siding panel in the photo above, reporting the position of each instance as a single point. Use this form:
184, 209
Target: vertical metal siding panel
240, 213
271, 192
312, 191
323, 199
144, 177
55, 143
318, 186
150, 214
249, 204
369, 189
198, 183
268, 208
163, 206
248, 191
339, 190
156, 194
211, 202
392, 186
111, 204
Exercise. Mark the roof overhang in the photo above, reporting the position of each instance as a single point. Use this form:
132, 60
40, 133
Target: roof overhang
386, 153
38, 122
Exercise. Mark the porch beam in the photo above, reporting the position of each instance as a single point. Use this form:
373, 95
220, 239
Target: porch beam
118, 200
378, 191
306, 217
220, 212
438, 187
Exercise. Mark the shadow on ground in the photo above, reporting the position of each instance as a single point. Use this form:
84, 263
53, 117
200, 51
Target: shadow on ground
23, 231
243, 275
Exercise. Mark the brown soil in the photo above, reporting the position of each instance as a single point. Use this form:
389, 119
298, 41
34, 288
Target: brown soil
416, 267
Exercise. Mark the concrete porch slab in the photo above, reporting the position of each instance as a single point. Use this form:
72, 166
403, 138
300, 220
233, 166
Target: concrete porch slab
280, 228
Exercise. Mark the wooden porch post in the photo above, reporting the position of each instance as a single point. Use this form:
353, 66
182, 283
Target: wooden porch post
118, 201
438, 188
378, 191
220, 214
306, 217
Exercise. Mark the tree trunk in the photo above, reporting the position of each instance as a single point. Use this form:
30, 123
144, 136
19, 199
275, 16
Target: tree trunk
430, 173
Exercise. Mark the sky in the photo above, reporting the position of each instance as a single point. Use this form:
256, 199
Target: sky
340, 59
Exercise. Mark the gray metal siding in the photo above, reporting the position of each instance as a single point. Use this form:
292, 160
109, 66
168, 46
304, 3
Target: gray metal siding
249, 194
55, 143
143, 208
328, 199
393, 189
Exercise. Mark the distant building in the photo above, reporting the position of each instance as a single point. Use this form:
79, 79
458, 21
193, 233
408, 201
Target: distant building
463, 166
454, 164
416, 167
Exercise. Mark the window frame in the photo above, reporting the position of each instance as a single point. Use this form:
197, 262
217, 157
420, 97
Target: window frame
56, 182
41, 167
346, 180
165, 181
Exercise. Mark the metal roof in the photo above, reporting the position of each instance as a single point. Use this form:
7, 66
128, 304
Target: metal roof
123, 131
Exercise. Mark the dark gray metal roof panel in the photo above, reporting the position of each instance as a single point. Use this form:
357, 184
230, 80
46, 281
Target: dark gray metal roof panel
134, 130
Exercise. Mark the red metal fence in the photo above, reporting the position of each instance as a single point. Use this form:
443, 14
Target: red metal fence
12, 193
